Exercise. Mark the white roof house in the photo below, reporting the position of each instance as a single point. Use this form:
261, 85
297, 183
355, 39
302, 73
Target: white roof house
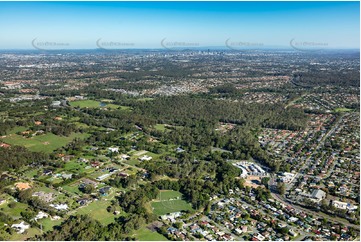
113, 149
145, 158
124, 156
41, 215
59, 206
21, 227
343, 205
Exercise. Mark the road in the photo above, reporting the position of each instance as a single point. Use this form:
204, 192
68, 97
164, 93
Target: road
272, 183
321, 143
223, 228
315, 214
302, 233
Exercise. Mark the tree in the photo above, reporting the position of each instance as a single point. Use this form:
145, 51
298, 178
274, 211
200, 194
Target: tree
264, 181
178, 225
87, 188
111, 209
12, 205
281, 188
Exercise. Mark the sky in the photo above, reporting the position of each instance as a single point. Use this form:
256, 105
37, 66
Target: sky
90, 25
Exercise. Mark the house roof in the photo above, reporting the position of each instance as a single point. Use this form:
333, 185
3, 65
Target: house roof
22, 185
319, 194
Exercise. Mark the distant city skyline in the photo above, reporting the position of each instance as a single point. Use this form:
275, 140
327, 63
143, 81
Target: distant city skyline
170, 25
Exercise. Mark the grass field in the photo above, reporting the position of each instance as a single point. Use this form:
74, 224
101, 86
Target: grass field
166, 127
339, 110
145, 99
85, 104
14, 212
18, 129
97, 104
98, 211
160, 127
48, 224
165, 195
75, 167
73, 187
144, 234
140, 152
31, 173
169, 201
164, 207
42, 143
28, 234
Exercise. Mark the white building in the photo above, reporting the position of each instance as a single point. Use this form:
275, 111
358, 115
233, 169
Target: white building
343, 205
59, 206
145, 158
41, 215
124, 157
113, 149
102, 177
287, 177
318, 195
21, 227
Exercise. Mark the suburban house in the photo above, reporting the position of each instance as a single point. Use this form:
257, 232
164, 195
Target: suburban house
145, 158
22, 186
21, 227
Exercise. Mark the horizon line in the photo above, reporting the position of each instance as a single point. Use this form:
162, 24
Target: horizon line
185, 49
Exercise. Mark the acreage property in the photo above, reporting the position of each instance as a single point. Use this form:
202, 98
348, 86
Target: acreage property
42, 143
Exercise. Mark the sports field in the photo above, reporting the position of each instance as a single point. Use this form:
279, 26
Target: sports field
169, 201
166, 195
144, 234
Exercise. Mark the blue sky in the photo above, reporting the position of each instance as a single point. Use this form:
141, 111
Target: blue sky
146, 24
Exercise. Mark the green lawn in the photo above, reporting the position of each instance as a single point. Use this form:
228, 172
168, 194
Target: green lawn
98, 211
165, 195
73, 188
160, 127
144, 234
31, 173
145, 99
17, 129
27, 234
48, 224
75, 167
132, 162
97, 104
164, 207
85, 104
339, 110
42, 143
45, 189
81, 125
14, 212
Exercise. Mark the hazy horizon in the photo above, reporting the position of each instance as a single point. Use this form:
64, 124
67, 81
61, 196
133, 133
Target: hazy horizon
179, 25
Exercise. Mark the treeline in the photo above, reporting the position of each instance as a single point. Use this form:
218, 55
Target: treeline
119, 119
188, 111
83, 228
15, 157
333, 77
198, 185
134, 201
35, 203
